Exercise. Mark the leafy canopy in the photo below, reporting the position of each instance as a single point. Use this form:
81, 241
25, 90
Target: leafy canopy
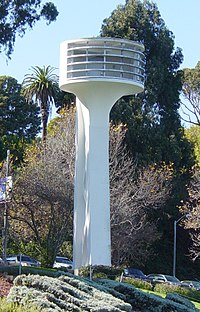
191, 93
41, 86
193, 136
153, 121
18, 15
19, 121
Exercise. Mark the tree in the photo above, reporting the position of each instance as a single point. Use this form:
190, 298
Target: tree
17, 15
42, 87
192, 209
193, 136
19, 121
152, 118
191, 93
136, 198
43, 193
154, 134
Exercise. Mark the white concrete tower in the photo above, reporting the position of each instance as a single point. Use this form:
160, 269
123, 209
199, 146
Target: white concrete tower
98, 71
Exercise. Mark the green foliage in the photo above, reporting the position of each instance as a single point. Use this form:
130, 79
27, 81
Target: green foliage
154, 130
69, 292
14, 271
42, 86
6, 306
181, 300
16, 16
154, 133
138, 283
142, 300
190, 90
186, 292
64, 100
19, 121
193, 136
101, 271
66, 250
43, 193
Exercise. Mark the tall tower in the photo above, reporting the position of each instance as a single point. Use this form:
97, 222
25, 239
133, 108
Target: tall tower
98, 71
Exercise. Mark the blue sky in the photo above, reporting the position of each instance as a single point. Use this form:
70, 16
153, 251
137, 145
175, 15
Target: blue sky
79, 18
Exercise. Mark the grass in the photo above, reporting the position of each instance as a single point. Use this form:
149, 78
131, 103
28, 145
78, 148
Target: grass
197, 304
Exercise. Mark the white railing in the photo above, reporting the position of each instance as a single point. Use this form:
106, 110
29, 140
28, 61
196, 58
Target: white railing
100, 58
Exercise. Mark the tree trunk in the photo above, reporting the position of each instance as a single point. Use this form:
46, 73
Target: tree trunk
45, 115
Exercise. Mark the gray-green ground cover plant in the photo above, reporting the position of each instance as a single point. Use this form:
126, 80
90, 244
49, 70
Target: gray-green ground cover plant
181, 300
65, 293
72, 293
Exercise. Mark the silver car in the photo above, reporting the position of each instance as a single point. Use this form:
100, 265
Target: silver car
162, 278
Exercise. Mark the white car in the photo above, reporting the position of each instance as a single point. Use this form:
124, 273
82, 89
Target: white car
62, 262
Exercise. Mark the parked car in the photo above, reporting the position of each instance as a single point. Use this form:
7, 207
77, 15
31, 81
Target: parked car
25, 260
131, 272
162, 278
62, 263
191, 284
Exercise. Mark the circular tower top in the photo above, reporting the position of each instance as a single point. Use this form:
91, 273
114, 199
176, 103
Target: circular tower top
101, 60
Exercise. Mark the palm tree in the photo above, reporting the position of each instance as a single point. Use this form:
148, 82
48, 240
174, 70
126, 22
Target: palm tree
42, 86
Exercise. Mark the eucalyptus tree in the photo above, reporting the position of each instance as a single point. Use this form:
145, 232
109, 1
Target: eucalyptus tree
191, 93
41, 86
154, 128
191, 208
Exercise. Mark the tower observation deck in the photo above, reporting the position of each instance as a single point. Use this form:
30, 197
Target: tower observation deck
102, 59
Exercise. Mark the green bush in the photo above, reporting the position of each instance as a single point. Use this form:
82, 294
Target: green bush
138, 283
186, 292
99, 275
145, 301
179, 299
101, 270
153, 303
14, 270
75, 293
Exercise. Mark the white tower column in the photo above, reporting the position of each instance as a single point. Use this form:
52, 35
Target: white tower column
92, 244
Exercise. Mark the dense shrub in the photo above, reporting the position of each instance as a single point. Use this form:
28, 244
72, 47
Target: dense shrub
66, 293
101, 271
138, 283
14, 270
181, 300
72, 293
145, 301
186, 292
